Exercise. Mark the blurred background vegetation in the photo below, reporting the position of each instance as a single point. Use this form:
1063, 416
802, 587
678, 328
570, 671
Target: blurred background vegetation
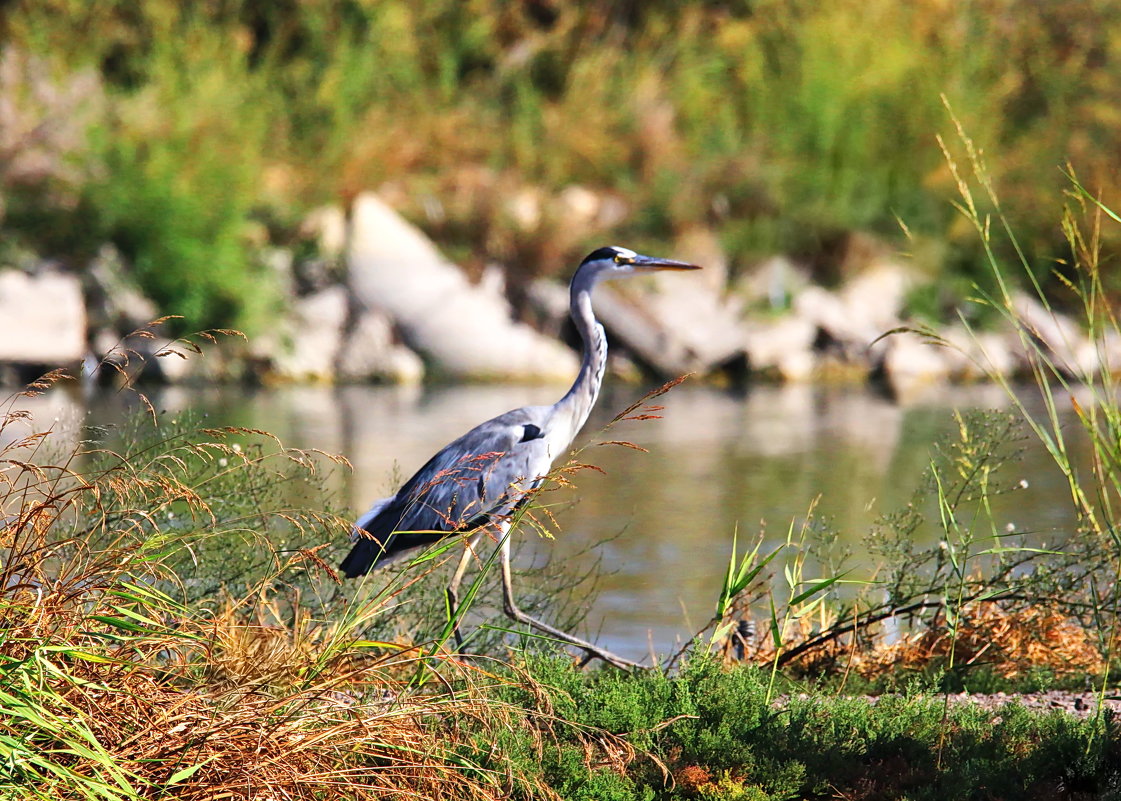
195, 135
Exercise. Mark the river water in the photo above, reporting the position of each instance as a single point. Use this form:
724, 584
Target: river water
662, 521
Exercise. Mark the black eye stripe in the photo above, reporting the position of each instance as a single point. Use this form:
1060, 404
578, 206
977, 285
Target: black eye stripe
603, 253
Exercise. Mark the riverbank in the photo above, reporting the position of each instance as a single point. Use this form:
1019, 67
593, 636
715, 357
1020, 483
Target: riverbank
394, 309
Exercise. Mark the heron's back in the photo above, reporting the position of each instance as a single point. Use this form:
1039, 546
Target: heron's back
477, 479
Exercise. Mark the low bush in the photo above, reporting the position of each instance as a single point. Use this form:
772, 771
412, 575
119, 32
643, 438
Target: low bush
710, 732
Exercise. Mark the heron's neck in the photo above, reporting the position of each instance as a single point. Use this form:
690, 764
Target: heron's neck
577, 403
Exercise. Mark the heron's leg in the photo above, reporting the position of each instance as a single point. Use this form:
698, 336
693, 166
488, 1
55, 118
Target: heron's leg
512, 610
457, 579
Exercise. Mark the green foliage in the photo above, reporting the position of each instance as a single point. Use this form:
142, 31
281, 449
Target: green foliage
717, 736
781, 126
182, 162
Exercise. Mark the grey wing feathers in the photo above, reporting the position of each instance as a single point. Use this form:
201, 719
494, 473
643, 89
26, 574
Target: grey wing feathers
477, 478
361, 523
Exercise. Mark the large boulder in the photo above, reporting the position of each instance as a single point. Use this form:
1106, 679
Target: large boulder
114, 300
867, 305
306, 346
42, 318
874, 297
369, 352
657, 332
976, 355
910, 363
465, 331
772, 283
671, 327
327, 227
1060, 336
782, 347
116, 307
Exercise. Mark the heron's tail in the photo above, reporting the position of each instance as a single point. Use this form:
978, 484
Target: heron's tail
362, 557
371, 537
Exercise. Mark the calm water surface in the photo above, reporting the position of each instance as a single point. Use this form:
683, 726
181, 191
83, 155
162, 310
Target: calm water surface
661, 521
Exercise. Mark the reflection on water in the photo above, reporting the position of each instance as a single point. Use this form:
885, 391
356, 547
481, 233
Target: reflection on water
717, 461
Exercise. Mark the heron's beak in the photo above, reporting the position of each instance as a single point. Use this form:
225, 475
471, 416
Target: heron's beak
653, 264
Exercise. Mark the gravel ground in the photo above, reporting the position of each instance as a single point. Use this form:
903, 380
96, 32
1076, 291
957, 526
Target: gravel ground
1079, 704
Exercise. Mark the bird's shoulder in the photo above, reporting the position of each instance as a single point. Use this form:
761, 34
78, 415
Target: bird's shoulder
503, 432
519, 430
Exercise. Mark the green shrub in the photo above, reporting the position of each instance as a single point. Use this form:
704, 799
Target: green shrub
707, 732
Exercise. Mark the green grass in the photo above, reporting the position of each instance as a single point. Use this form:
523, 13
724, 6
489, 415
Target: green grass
709, 732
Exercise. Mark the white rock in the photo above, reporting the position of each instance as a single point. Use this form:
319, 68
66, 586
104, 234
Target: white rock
369, 352
215, 363
864, 308
493, 280
525, 208
1103, 353
797, 366
975, 355
1068, 347
910, 363
175, 369
613, 210
113, 298
548, 302
103, 342
873, 298
579, 205
825, 310
280, 262
314, 336
994, 354
784, 345
465, 331
42, 318
674, 325
680, 322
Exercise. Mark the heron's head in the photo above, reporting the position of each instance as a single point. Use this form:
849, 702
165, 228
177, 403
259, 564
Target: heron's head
616, 262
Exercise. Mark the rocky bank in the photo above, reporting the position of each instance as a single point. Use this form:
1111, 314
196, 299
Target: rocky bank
399, 311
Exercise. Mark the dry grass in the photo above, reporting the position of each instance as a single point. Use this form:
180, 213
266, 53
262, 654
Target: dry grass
245, 744
1010, 642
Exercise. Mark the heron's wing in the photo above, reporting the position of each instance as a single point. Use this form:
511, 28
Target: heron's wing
477, 478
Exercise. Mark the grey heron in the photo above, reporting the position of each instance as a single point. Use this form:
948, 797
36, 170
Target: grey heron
479, 480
